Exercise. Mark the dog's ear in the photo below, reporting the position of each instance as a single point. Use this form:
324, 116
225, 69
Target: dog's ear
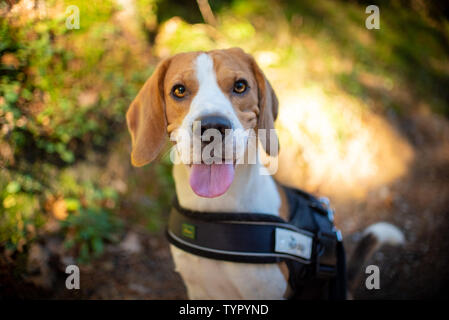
268, 103
268, 109
146, 118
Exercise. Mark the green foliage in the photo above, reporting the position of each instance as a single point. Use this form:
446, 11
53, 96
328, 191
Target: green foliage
20, 211
62, 92
91, 220
409, 50
86, 209
87, 231
43, 95
148, 13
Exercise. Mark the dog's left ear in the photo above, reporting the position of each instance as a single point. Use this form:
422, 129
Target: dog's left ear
268, 107
146, 118
268, 110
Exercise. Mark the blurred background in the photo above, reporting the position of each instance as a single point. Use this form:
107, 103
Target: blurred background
363, 120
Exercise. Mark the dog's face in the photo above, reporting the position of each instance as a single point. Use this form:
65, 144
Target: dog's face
207, 95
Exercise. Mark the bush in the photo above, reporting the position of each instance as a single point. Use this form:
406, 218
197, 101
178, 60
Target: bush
62, 93
88, 229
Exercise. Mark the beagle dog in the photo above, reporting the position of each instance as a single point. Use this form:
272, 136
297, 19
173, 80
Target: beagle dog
226, 85
224, 90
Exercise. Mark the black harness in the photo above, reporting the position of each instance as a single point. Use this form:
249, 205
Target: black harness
309, 243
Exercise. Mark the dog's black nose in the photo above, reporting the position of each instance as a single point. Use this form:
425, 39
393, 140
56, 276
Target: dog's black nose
215, 122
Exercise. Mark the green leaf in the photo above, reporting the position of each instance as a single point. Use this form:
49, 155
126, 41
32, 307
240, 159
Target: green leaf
97, 246
13, 187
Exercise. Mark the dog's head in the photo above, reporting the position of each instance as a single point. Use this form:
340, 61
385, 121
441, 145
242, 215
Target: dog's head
221, 94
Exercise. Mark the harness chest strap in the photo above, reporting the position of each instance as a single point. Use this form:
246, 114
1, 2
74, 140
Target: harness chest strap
252, 238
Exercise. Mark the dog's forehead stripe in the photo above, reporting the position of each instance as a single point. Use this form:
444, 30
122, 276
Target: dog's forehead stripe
210, 99
204, 66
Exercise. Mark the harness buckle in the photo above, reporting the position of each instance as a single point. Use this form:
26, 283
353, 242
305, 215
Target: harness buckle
326, 203
338, 234
330, 215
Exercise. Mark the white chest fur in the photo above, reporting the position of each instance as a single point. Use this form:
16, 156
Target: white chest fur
214, 279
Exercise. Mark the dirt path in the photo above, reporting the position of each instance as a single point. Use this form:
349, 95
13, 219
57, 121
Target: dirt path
418, 203
139, 267
131, 271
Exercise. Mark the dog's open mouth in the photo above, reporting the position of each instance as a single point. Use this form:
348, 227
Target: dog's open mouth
211, 180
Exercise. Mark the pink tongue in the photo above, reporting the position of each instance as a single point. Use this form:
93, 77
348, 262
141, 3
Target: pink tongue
211, 181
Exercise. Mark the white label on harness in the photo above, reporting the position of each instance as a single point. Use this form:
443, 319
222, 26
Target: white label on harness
294, 243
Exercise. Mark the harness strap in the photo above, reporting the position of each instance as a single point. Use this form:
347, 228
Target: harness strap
250, 238
308, 243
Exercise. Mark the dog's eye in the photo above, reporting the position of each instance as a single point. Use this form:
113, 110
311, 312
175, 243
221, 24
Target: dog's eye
240, 86
179, 91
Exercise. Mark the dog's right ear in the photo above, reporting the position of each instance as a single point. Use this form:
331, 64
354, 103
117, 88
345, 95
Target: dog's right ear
146, 118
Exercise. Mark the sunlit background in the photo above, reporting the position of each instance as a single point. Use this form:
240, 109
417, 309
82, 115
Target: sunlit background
363, 120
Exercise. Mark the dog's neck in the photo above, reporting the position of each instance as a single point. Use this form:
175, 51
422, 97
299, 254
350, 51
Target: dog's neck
250, 192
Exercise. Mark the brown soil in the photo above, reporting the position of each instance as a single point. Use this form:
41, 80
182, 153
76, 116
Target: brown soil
417, 203
146, 272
